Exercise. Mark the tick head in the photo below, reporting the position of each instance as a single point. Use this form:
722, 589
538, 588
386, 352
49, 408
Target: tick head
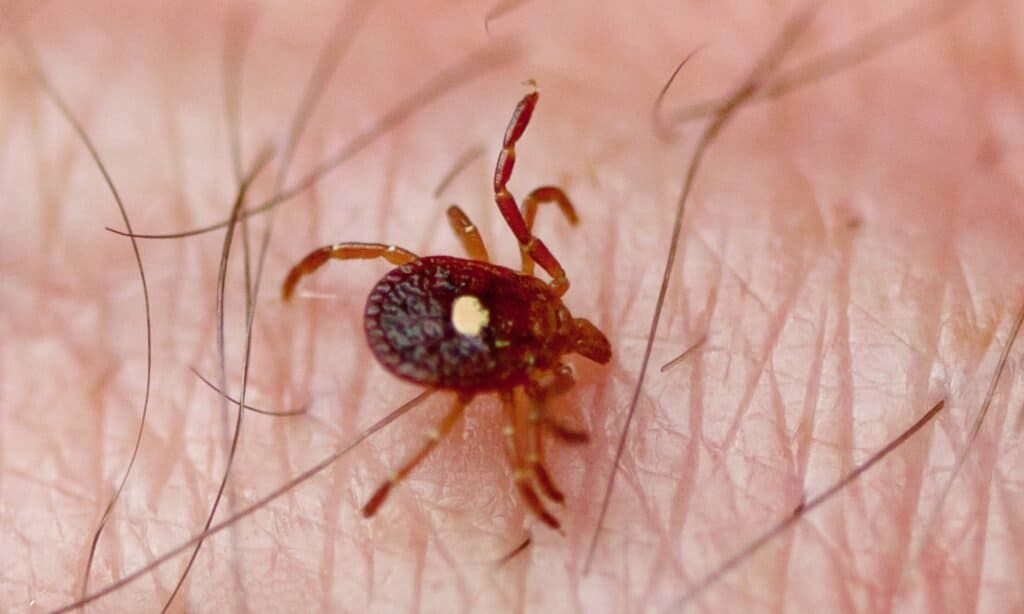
590, 342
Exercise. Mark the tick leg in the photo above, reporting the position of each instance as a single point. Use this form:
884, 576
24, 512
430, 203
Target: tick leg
535, 457
433, 437
467, 233
566, 433
542, 195
529, 245
553, 384
342, 251
521, 473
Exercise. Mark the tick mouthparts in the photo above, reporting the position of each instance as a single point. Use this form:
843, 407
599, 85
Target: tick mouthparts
591, 342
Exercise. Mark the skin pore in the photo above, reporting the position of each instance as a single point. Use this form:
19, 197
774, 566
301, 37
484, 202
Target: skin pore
851, 254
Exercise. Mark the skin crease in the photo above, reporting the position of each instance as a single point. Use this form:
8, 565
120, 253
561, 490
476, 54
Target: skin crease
852, 253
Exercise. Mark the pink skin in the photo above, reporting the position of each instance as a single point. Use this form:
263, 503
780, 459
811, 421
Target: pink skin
853, 253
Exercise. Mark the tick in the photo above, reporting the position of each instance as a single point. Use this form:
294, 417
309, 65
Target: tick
473, 327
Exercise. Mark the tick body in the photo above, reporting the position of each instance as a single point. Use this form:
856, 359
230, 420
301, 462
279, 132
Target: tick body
471, 327
465, 325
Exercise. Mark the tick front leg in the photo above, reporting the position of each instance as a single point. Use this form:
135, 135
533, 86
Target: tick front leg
434, 436
529, 245
342, 251
467, 233
540, 196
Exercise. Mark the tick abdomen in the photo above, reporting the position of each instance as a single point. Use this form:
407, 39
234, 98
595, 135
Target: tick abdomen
464, 325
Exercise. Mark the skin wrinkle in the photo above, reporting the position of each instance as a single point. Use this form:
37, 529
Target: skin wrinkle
685, 489
893, 143
983, 464
804, 441
912, 492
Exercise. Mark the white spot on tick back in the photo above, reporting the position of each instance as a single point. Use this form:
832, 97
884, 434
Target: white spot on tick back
469, 316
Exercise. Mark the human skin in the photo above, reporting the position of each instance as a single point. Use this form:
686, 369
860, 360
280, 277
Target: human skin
851, 255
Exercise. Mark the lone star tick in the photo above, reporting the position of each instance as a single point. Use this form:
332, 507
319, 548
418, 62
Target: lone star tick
473, 327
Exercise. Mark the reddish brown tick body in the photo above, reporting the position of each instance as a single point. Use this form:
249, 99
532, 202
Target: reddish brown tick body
472, 327
411, 330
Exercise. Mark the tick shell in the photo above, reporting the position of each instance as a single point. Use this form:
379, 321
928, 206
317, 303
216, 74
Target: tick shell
410, 328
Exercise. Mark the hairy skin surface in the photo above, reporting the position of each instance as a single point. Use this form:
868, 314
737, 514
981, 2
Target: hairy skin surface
853, 253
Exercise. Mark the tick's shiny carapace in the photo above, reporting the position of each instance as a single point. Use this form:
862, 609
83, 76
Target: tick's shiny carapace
472, 327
